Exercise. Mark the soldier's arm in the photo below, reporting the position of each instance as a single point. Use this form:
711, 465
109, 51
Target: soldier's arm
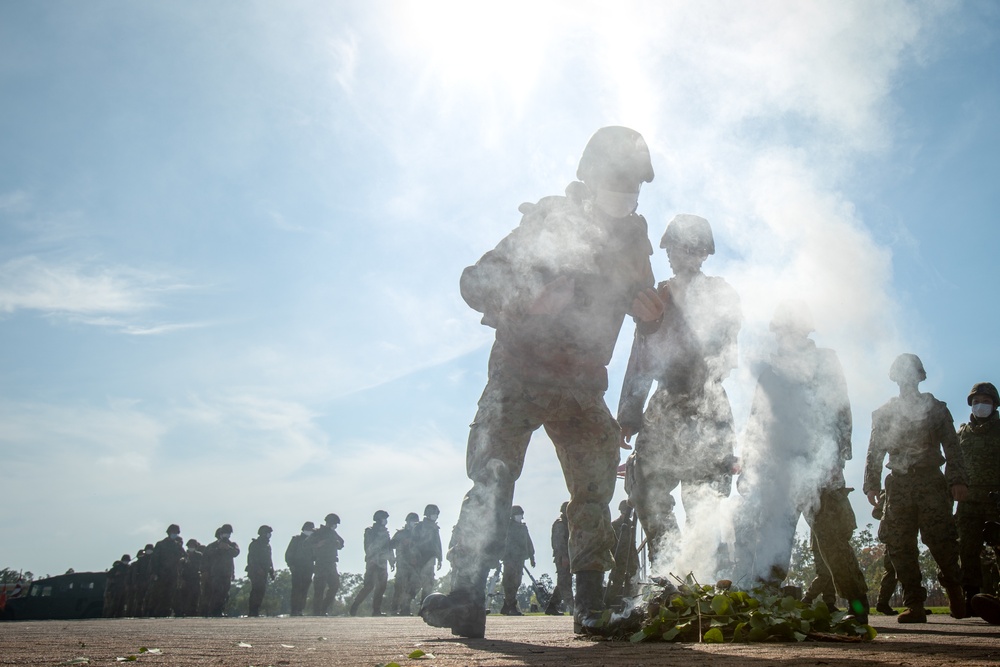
874, 459
635, 388
954, 469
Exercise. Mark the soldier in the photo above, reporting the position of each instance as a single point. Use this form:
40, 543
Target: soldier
300, 561
517, 550
797, 440
887, 586
620, 581
378, 558
686, 435
165, 565
189, 583
979, 440
912, 429
218, 571
114, 589
259, 568
140, 575
325, 543
562, 595
407, 563
428, 545
556, 290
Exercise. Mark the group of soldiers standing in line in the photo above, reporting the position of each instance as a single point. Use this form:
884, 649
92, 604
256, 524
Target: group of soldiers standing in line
556, 291
165, 579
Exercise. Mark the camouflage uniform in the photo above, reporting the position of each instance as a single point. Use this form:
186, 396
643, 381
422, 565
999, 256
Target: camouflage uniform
427, 536
114, 590
517, 550
407, 562
217, 575
562, 595
912, 432
620, 581
139, 575
260, 568
686, 435
980, 444
800, 423
299, 558
325, 543
378, 555
189, 583
165, 565
549, 370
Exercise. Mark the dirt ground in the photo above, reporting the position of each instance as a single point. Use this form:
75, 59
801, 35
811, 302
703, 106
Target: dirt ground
530, 640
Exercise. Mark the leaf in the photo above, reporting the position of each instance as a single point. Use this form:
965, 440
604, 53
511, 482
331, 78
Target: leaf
799, 637
76, 661
720, 604
639, 636
713, 636
154, 651
387, 664
420, 655
245, 645
286, 646
671, 634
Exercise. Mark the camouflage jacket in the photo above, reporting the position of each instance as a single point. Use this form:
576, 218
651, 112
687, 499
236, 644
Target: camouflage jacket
167, 555
405, 546
259, 558
427, 542
518, 547
378, 546
695, 345
560, 541
299, 552
912, 432
325, 543
219, 558
561, 237
980, 444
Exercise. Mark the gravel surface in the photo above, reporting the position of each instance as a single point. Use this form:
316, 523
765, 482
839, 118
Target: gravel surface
529, 640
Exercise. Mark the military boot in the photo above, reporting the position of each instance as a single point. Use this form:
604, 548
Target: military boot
458, 610
589, 602
987, 607
885, 608
956, 601
915, 614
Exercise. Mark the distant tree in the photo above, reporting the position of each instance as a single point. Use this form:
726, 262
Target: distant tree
11, 576
278, 598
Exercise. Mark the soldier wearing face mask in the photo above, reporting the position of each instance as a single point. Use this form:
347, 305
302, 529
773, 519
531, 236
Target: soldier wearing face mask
979, 440
299, 558
556, 290
913, 429
219, 570
260, 568
427, 537
378, 558
165, 565
517, 550
325, 543
404, 543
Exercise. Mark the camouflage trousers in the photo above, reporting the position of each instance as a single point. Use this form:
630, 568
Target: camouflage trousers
513, 574
683, 441
971, 520
586, 439
404, 587
562, 594
887, 586
837, 566
326, 583
919, 501
301, 581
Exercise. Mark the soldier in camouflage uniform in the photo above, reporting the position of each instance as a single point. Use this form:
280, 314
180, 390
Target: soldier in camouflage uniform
189, 581
218, 571
796, 442
378, 558
407, 563
517, 550
912, 429
686, 435
114, 589
165, 565
299, 558
621, 580
556, 290
427, 542
979, 440
562, 594
140, 573
260, 568
325, 543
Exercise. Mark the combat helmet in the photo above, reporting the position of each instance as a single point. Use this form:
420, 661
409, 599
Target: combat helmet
308, 525
689, 231
431, 509
173, 528
380, 515
907, 367
985, 389
224, 528
412, 517
515, 510
265, 530
615, 152
332, 518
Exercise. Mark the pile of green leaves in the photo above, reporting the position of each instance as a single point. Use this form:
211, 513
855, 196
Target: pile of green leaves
696, 613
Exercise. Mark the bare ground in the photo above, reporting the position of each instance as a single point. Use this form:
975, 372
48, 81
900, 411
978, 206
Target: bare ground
530, 640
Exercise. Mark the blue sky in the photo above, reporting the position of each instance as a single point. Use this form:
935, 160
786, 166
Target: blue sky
232, 233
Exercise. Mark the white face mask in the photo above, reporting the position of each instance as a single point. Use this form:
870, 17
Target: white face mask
307, 533
616, 204
982, 410
225, 536
173, 536
519, 518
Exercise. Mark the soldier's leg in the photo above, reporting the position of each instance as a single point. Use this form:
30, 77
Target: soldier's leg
938, 532
887, 587
970, 520
899, 530
586, 438
367, 587
321, 582
510, 584
258, 584
381, 581
822, 586
509, 412
833, 525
